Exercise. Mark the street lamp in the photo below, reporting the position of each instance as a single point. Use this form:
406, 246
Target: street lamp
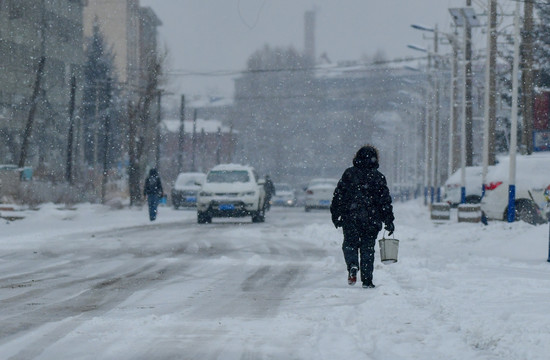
453, 41
466, 18
416, 108
514, 122
428, 138
425, 124
435, 175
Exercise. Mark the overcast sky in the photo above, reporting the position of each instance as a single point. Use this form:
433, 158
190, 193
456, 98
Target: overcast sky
206, 36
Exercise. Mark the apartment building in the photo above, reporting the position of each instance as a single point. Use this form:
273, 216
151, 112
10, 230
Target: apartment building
30, 29
130, 30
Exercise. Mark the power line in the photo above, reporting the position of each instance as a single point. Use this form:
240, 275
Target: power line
221, 73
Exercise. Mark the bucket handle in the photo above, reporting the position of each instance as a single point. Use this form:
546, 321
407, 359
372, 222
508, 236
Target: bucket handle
384, 234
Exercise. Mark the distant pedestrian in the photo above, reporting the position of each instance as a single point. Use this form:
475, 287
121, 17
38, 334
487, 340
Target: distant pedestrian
361, 203
153, 191
269, 188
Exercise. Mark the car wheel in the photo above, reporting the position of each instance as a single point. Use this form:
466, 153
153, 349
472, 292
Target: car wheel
203, 217
525, 211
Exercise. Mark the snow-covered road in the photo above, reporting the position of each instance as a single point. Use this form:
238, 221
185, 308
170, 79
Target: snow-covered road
106, 284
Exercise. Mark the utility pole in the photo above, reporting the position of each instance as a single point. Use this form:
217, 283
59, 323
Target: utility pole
96, 123
466, 17
490, 96
218, 145
430, 135
157, 135
427, 150
437, 172
468, 89
181, 137
107, 143
194, 141
527, 76
454, 145
70, 137
514, 121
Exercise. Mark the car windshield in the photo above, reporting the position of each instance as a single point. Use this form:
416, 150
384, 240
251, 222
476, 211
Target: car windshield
189, 179
228, 176
282, 187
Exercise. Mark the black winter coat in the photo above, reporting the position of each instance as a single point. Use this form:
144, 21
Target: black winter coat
362, 196
153, 186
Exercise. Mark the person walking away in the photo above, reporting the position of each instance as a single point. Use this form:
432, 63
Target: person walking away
269, 191
153, 191
361, 203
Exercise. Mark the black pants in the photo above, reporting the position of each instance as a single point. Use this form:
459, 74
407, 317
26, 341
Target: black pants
153, 202
360, 240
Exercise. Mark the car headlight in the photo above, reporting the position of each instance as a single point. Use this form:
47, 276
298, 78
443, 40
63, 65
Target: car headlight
249, 193
204, 193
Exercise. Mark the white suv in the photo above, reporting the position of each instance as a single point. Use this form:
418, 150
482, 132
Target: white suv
532, 181
231, 190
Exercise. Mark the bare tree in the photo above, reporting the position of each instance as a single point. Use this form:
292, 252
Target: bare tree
32, 111
36, 88
139, 117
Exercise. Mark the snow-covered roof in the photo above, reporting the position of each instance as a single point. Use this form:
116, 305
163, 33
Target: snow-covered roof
346, 69
209, 126
202, 101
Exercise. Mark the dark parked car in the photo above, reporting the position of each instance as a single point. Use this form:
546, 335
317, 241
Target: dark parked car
285, 195
186, 188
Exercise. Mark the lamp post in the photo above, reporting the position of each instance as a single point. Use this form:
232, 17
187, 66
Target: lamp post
453, 155
453, 119
514, 122
435, 171
466, 18
430, 147
489, 122
415, 106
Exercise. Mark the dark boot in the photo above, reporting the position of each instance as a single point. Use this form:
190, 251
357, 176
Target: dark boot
368, 284
352, 275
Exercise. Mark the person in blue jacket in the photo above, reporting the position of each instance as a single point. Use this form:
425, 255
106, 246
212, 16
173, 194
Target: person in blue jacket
361, 203
153, 191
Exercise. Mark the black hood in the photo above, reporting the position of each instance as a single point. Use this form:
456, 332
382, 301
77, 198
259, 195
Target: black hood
366, 158
153, 172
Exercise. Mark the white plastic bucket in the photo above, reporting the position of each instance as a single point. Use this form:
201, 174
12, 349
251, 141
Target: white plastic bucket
388, 250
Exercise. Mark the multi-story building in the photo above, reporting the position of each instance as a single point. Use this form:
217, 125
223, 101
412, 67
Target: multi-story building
119, 23
131, 32
30, 30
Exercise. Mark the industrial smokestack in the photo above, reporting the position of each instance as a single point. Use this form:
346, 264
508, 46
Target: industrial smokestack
309, 36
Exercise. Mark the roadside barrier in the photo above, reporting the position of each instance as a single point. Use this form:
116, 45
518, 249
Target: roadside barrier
469, 213
441, 211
